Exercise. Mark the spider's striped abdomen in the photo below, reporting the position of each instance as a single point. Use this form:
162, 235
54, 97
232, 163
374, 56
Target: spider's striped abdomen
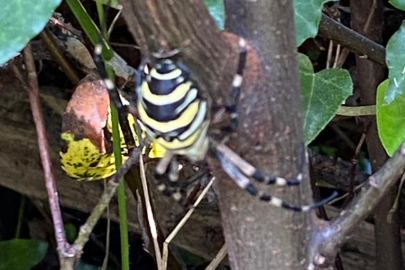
172, 110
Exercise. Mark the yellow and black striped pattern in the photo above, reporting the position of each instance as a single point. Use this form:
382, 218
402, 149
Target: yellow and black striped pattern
172, 110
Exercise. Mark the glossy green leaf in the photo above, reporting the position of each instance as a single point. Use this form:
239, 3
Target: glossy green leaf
400, 4
20, 22
307, 17
21, 254
390, 119
322, 94
217, 11
396, 65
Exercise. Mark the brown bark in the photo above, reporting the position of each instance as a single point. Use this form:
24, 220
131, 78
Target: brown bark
260, 236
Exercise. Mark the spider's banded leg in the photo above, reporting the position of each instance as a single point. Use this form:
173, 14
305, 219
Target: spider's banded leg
161, 170
114, 96
174, 170
296, 180
243, 182
250, 171
178, 192
166, 176
140, 71
236, 85
133, 94
112, 89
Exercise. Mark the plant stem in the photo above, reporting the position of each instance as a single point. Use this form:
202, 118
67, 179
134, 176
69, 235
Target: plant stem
121, 191
89, 27
20, 217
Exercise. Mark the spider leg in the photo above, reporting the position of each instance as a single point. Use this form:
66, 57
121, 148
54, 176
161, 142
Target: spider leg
250, 171
178, 192
112, 89
166, 176
114, 96
243, 182
236, 85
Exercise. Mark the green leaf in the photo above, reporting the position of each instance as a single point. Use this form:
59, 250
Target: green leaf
307, 17
217, 11
399, 4
21, 254
110, 3
396, 65
71, 232
390, 119
89, 27
322, 94
20, 22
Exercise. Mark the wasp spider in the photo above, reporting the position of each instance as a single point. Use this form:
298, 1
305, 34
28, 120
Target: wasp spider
174, 113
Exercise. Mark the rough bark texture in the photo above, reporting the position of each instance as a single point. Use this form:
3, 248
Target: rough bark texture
368, 20
258, 235
21, 171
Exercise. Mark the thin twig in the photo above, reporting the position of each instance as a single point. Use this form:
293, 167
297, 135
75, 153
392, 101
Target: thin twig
337, 55
149, 214
218, 258
342, 57
359, 145
356, 110
394, 208
346, 194
43, 145
105, 199
370, 16
330, 51
58, 56
181, 224
110, 29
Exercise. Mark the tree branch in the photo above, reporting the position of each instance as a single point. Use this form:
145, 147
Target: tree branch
260, 236
356, 42
330, 239
33, 94
105, 199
